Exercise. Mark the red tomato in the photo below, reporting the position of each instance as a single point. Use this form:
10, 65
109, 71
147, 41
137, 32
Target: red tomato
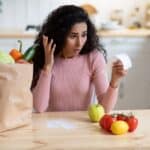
132, 122
121, 117
22, 61
106, 121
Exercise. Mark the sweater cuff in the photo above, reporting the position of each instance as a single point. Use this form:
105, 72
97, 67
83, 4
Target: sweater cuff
45, 73
112, 89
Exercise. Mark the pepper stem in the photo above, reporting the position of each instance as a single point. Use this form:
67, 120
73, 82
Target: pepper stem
20, 45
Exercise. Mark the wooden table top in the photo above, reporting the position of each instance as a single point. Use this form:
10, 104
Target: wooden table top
74, 131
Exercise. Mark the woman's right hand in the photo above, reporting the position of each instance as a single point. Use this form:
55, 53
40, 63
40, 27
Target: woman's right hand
49, 48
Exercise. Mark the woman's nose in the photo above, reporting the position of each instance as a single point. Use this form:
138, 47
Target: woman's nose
79, 41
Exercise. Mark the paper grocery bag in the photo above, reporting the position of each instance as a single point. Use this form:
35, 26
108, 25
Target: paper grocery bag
15, 95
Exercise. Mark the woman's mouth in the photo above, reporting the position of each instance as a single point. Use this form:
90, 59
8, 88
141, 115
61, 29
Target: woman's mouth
77, 50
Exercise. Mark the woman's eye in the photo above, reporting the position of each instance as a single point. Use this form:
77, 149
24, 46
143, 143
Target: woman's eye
84, 35
72, 36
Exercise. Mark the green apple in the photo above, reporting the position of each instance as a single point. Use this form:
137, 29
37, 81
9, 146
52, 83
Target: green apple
96, 112
6, 58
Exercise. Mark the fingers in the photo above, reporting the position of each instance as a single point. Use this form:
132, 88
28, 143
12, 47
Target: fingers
118, 68
48, 46
121, 72
118, 65
45, 41
53, 48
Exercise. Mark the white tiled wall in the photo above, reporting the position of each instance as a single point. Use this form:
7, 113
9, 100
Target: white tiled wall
19, 13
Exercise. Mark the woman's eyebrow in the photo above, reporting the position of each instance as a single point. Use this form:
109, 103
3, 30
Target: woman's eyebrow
75, 33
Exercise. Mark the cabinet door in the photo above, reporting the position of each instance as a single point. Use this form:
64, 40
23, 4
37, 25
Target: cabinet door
135, 87
6, 44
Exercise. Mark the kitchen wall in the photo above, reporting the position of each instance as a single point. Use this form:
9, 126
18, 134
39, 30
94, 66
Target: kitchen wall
19, 13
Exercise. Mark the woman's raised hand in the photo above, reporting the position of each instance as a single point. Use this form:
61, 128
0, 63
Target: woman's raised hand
118, 72
49, 48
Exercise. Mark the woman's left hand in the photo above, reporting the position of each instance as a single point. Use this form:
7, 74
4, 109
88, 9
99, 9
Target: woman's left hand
117, 73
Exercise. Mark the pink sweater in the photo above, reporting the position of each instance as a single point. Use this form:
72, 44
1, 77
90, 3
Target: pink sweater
71, 83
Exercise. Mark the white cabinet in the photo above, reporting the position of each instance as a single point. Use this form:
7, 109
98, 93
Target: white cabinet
6, 44
134, 91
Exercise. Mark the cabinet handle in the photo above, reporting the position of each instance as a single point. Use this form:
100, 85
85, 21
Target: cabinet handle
1, 6
121, 90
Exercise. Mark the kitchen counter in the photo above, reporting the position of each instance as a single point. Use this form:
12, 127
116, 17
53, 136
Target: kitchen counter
125, 33
74, 131
17, 34
103, 33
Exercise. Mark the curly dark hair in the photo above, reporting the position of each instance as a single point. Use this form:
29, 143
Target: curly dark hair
56, 27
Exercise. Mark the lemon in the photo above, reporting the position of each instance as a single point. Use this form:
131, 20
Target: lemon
119, 127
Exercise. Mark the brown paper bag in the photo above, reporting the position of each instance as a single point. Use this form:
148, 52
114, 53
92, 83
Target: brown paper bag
15, 95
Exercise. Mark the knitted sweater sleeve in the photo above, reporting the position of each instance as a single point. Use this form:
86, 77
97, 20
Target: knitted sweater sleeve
106, 95
41, 92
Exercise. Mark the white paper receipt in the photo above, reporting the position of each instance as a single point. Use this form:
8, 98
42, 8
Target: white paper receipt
125, 59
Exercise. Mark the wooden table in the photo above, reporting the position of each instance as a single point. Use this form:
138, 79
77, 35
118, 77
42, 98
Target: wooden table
75, 133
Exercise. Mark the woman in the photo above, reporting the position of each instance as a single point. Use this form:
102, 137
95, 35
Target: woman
69, 63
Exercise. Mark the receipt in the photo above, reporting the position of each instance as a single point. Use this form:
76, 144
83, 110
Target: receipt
125, 59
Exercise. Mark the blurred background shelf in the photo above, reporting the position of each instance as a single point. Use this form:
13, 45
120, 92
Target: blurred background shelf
125, 33
103, 33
